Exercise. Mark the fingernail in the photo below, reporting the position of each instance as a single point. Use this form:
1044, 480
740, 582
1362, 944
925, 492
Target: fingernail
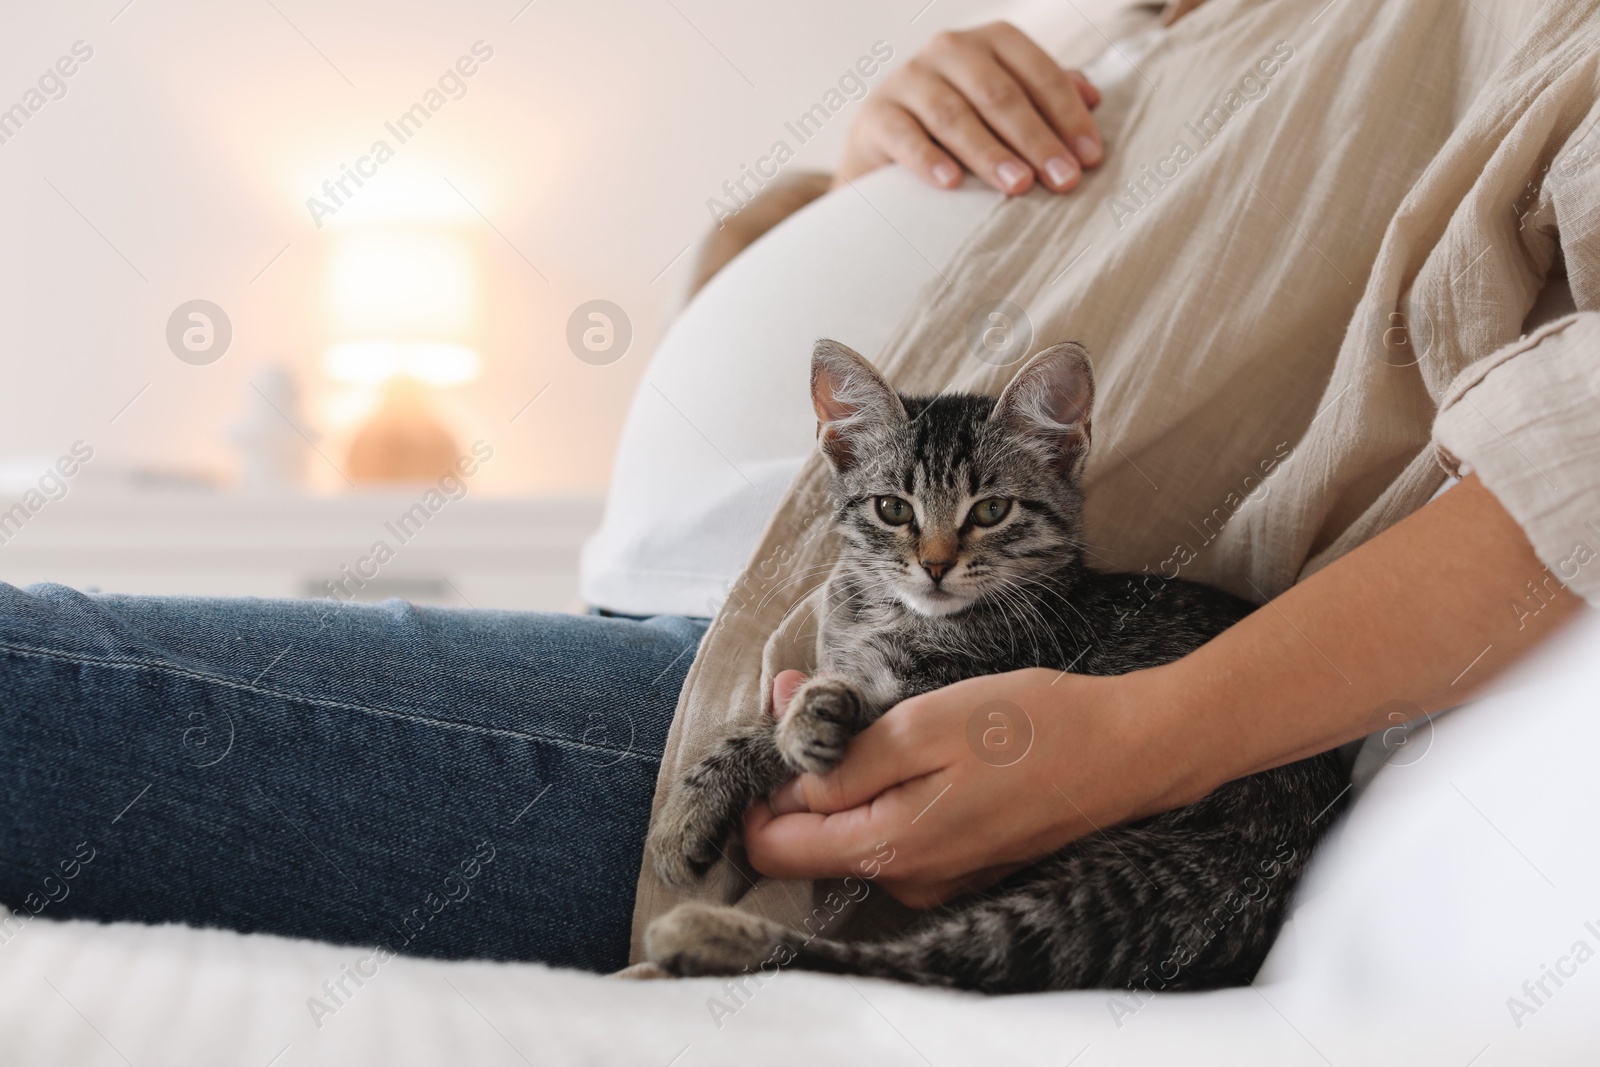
1088, 150
1011, 174
1060, 170
946, 173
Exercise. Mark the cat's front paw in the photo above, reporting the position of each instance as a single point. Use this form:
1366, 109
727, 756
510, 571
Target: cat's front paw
823, 715
696, 939
680, 844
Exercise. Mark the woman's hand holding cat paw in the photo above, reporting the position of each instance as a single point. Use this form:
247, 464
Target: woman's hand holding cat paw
823, 714
926, 804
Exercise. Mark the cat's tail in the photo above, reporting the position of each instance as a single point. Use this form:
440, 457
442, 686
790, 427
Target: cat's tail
992, 948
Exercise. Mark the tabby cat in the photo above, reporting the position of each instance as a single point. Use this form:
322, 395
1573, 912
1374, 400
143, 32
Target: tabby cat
960, 519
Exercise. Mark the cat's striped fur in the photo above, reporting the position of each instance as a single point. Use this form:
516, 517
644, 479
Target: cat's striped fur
1188, 899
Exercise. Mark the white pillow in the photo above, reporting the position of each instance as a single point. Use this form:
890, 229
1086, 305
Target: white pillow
1468, 874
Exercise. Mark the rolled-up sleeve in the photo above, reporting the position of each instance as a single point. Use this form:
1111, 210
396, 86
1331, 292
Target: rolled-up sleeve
1526, 421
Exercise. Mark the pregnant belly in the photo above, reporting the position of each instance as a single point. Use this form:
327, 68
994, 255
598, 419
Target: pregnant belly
723, 419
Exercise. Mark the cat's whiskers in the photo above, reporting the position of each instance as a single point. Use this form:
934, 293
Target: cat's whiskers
1011, 631
1009, 595
1020, 580
798, 576
866, 583
1039, 608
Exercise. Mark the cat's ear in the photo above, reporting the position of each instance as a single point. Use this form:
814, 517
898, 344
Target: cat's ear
1050, 398
854, 404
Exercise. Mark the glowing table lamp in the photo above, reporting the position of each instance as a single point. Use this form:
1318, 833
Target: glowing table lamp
404, 300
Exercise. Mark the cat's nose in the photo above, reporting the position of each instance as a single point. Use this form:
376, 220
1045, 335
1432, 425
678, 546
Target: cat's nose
936, 568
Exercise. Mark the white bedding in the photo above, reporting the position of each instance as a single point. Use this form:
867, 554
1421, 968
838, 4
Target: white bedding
1468, 867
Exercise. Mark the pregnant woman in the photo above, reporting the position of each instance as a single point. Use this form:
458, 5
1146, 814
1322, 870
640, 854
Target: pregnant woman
473, 783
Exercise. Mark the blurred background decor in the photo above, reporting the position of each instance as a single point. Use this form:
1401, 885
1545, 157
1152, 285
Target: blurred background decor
392, 213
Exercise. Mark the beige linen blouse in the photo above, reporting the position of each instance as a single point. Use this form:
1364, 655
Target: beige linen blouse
1302, 274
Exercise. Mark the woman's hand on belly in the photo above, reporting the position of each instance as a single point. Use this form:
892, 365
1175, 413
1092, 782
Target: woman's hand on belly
989, 99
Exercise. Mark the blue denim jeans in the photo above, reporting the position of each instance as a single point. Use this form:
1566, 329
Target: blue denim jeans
436, 782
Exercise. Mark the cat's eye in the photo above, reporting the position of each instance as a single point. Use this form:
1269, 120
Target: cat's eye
893, 510
989, 511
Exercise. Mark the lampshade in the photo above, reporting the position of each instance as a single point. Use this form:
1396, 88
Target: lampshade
402, 284
373, 362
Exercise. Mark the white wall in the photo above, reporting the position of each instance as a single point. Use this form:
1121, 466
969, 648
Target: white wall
179, 162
